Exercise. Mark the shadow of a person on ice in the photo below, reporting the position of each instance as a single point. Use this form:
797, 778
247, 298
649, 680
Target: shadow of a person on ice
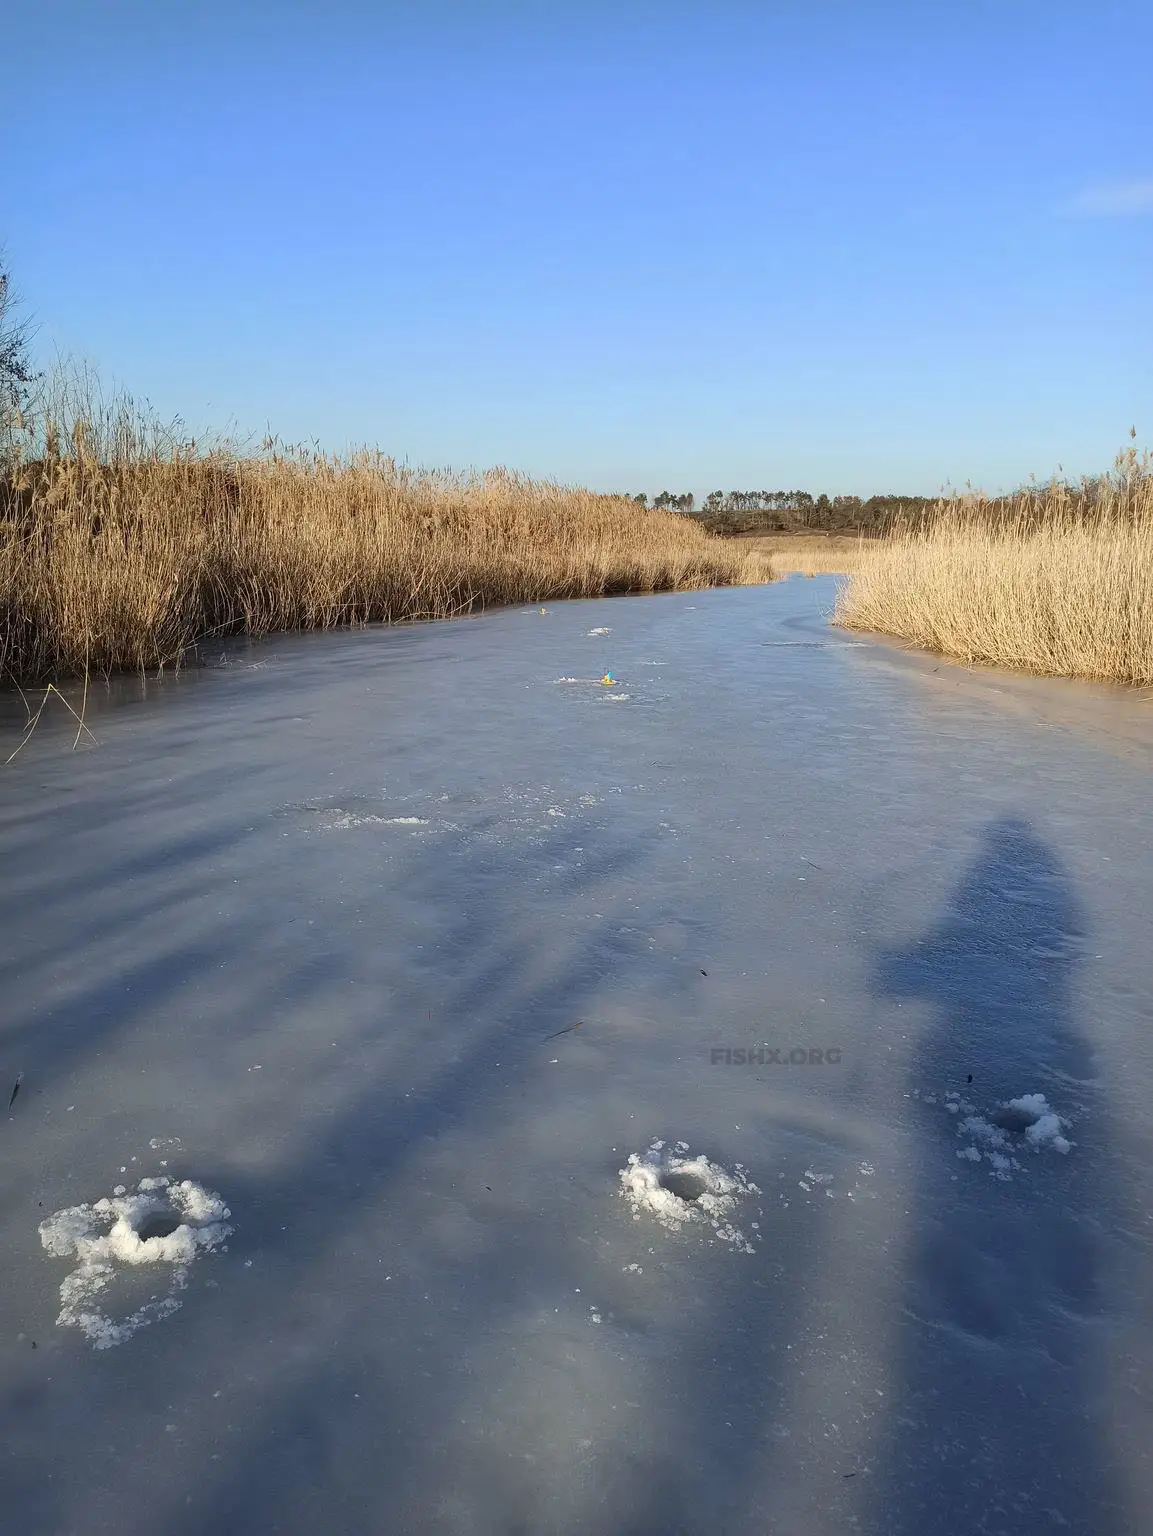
999, 1418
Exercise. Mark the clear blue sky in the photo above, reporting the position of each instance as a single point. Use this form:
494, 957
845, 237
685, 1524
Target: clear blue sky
844, 245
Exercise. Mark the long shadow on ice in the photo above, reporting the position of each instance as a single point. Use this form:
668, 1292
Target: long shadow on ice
414, 1344
330, 1193
500, 1405
999, 1420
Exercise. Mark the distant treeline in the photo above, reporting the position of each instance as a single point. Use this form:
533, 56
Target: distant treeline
731, 512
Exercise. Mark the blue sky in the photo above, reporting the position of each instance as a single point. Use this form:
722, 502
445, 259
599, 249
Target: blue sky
840, 246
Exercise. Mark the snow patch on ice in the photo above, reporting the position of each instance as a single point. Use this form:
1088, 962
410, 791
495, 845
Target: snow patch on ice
1045, 1126
675, 1188
992, 1136
982, 1130
163, 1222
341, 821
360, 811
602, 630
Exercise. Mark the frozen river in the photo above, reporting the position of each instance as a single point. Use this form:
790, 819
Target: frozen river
313, 929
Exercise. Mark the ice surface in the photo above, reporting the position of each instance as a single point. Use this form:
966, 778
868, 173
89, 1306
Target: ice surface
406, 952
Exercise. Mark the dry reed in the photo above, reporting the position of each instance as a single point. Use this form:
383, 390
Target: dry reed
1058, 581
811, 554
122, 546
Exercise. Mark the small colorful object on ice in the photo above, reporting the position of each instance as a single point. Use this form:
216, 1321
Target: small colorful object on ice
609, 680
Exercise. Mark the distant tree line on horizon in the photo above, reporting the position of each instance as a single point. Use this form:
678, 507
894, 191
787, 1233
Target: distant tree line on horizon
1113, 494
732, 512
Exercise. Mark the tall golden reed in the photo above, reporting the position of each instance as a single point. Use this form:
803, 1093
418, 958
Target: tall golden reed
122, 546
1056, 581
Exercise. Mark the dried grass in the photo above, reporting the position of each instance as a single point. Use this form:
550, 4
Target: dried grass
122, 546
1057, 582
814, 554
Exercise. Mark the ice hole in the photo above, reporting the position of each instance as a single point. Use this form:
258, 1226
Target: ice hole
1015, 1117
158, 1224
685, 1185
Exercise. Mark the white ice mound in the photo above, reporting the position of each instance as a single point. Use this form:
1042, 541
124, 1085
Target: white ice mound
163, 1223
675, 1188
1044, 1126
993, 1135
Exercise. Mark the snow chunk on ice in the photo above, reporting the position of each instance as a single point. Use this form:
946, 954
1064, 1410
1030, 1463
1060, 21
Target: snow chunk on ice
676, 1189
342, 821
982, 1130
994, 1134
1044, 1125
163, 1222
